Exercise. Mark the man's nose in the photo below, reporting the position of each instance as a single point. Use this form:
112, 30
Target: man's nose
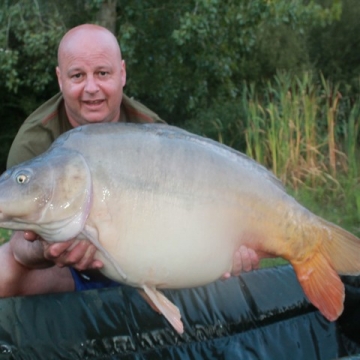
91, 85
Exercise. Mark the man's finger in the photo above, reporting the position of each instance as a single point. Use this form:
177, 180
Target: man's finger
53, 251
30, 236
84, 256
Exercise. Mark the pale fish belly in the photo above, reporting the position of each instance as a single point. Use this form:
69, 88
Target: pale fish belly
184, 244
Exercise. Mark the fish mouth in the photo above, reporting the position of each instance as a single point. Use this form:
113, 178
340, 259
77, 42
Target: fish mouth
7, 222
3, 217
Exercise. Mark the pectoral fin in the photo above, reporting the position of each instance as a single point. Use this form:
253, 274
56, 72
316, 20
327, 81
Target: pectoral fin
92, 236
148, 300
166, 307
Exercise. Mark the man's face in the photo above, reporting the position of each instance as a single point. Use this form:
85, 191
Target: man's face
91, 76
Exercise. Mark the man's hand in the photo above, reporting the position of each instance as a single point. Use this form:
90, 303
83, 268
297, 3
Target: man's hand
244, 259
17, 279
78, 254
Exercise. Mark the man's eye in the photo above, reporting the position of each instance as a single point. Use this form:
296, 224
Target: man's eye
103, 73
76, 77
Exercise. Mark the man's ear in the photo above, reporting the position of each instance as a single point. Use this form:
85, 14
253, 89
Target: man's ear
58, 74
123, 72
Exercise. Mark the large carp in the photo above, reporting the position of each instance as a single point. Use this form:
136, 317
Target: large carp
168, 209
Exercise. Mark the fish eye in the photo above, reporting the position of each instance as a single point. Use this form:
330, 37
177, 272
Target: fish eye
22, 179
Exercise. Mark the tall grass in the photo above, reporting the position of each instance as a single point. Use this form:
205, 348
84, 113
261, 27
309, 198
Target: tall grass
306, 132
293, 129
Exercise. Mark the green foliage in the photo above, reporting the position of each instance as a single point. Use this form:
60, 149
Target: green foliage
335, 48
221, 122
4, 235
29, 43
155, 73
183, 58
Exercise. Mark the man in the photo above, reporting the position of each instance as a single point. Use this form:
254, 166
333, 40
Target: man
91, 75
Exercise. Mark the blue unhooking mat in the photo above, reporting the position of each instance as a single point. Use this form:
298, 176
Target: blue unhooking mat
259, 315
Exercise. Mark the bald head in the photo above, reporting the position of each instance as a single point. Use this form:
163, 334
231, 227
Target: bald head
91, 75
86, 35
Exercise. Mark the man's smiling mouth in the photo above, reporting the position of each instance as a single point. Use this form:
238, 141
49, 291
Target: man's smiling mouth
93, 102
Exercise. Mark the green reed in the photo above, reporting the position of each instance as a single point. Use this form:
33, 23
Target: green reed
292, 128
254, 135
352, 153
351, 136
306, 132
332, 97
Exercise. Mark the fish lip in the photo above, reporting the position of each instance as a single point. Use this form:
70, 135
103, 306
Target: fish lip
3, 218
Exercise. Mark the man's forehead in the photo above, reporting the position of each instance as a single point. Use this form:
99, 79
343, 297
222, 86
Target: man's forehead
88, 43
91, 55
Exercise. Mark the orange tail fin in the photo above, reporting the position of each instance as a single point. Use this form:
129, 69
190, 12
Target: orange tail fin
321, 285
338, 253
